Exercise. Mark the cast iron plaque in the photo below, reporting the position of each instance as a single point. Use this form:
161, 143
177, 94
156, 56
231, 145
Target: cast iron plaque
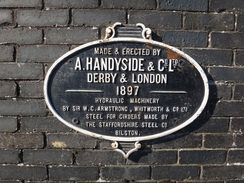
126, 89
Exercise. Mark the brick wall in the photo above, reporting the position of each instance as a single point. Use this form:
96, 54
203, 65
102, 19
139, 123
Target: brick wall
36, 147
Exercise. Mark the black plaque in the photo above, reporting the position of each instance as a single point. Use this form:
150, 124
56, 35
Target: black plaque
126, 89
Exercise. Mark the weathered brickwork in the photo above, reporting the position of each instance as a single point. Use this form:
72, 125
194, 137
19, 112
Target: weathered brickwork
36, 147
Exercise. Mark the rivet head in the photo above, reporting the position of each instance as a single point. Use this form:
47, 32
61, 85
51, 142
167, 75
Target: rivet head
114, 145
75, 121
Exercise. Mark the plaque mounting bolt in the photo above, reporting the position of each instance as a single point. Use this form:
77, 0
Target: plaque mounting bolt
115, 145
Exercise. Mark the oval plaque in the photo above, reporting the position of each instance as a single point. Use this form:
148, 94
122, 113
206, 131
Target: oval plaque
126, 89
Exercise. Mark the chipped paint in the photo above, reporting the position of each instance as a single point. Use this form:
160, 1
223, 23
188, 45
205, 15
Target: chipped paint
59, 144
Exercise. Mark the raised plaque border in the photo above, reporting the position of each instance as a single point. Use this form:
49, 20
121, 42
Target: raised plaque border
142, 40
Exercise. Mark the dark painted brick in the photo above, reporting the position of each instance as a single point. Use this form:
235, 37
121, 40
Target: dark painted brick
149, 181
222, 172
227, 40
227, 73
49, 181
16, 140
71, 3
235, 181
226, 109
47, 157
70, 141
156, 19
188, 5
5, 17
129, 4
31, 89
226, 5
206, 181
7, 89
237, 125
220, 91
9, 156
42, 18
239, 57
40, 53
105, 144
21, 36
126, 172
8, 124
73, 173
178, 141
22, 3
202, 143
71, 35
224, 140
42, 124
155, 157
212, 125
22, 107
240, 23
91, 157
98, 17
224, 91
202, 157
211, 56
7, 53
239, 91
200, 21
184, 38
20, 71
23, 172
236, 156
175, 172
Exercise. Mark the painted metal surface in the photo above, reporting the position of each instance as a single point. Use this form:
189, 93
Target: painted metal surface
126, 89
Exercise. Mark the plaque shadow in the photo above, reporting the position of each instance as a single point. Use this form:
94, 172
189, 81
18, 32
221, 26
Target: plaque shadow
155, 37
181, 138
